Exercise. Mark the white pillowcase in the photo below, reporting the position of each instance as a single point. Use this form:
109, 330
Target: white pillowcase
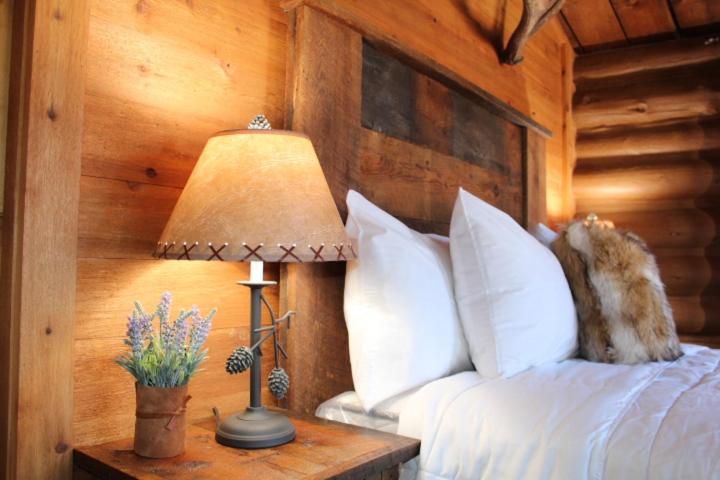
403, 326
544, 234
514, 301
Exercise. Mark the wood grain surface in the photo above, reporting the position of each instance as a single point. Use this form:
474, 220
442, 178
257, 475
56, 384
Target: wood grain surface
322, 449
40, 238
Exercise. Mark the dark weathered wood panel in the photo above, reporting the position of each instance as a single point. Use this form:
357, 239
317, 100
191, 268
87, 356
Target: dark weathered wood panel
421, 184
401, 102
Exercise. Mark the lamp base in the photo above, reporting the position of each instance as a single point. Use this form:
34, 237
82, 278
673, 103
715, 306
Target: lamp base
256, 427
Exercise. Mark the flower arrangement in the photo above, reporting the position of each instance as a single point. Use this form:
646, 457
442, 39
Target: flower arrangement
170, 356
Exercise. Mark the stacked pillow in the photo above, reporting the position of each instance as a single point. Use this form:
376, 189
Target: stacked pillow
417, 310
514, 301
403, 326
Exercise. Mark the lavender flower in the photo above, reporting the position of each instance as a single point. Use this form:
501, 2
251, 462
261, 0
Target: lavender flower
163, 312
171, 356
179, 333
200, 328
139, 327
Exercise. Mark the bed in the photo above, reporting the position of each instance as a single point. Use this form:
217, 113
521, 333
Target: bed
572, 419
575, 419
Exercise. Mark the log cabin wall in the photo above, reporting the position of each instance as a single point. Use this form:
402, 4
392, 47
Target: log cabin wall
160, 77
648, 152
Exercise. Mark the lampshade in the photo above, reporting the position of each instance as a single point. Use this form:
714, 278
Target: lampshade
256, 195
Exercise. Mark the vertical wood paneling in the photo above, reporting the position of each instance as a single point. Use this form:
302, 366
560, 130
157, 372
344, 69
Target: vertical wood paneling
648, 161
40, 238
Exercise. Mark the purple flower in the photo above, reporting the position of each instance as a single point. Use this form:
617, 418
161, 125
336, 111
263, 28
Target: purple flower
200, 328
139, 330
179, 333
163, 312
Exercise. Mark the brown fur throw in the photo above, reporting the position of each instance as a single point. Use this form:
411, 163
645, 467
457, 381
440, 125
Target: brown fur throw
623, 313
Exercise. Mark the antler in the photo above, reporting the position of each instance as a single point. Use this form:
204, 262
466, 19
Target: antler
535, 14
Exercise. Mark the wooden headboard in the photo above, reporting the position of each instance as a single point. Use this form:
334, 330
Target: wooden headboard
405, 133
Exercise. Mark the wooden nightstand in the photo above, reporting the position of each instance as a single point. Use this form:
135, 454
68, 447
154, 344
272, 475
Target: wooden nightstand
322, 449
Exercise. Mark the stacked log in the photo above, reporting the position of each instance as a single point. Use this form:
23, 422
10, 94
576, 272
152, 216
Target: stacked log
648, 148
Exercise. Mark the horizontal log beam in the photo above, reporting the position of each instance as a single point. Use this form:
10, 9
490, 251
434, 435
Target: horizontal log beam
661, 101
655, 56
672, 229
680, 177
687, 275
690, 136
706, 340
690, 317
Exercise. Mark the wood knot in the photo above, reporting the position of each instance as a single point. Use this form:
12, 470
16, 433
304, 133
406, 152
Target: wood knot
496, 191
151, 172
133, 186
141, 6
48, 330
61, 447
52, 115
57, 15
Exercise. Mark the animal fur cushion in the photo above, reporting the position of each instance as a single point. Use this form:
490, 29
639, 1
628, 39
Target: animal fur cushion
623, 313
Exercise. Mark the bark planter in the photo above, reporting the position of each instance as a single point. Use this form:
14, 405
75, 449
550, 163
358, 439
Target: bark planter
160, 421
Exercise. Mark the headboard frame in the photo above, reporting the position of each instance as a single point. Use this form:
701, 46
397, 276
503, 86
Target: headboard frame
404, 132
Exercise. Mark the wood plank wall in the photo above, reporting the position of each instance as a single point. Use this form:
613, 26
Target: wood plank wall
162, 77
5, 42
648, 150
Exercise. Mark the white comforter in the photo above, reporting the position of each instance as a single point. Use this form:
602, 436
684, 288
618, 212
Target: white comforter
573, 420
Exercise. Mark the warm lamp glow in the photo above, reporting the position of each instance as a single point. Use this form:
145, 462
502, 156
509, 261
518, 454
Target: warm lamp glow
256, 195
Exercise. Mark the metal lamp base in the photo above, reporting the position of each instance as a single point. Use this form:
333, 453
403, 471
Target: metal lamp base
256, 427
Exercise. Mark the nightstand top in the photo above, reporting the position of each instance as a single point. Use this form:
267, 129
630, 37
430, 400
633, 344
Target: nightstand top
322, 449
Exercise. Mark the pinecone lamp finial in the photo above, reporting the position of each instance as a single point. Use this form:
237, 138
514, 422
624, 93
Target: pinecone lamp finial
259, 123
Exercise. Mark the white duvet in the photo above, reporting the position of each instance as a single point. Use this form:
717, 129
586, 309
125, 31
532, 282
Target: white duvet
573, 420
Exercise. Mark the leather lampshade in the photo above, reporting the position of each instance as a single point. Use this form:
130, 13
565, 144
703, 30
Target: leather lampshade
256, 195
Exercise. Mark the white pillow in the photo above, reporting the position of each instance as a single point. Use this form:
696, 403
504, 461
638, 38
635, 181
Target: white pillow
514, 301
544, 234
403, 326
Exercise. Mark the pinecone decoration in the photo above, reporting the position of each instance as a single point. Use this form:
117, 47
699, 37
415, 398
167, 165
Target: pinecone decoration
278, 383
239, 360
259, 123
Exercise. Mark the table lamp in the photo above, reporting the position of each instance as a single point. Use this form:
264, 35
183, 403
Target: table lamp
256, 195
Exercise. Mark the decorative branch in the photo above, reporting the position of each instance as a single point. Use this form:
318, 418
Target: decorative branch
535, 14
242, 357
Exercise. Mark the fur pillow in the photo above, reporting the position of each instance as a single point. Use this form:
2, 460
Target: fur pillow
623, 313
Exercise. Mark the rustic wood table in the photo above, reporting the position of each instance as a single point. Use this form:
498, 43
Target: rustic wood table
322, 449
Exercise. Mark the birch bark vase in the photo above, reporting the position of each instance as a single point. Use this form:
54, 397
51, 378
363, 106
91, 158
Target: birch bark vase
160, 421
